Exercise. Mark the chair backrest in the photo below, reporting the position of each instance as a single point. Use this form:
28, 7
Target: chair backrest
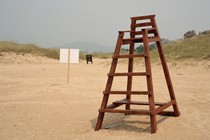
144, 22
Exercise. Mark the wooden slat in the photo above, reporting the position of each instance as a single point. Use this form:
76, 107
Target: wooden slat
167, 113
161, 108
163, 113
142, 24
150, 30
139, 40
129, 74
128, 56
140, 32
132, 40
127, 92
131, 111
138, 103
130, 102
132, 32
136, 33
143, 17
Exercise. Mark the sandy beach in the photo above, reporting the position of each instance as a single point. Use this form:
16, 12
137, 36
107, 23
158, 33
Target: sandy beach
37, 103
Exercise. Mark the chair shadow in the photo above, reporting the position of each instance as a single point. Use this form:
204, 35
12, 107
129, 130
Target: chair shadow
118, 122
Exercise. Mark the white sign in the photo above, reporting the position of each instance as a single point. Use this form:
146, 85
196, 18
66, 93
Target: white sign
74, 55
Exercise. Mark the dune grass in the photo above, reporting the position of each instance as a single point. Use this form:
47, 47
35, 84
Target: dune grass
7, 46
98, 55
22, 49
197, 48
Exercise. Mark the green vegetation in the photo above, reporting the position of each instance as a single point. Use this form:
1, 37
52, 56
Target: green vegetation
22, 49
140, 49
98, 55
197, 47
28, 48
102, 55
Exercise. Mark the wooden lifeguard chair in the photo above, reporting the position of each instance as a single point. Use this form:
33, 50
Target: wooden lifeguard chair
143, 30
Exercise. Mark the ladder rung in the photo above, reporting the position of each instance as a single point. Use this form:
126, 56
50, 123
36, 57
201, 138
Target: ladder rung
129, 74
136, 32
127, 92
138, 103
138, 39
142, 24
150, 31
129, 56
166, 105
132, 40
131, 111
167, 113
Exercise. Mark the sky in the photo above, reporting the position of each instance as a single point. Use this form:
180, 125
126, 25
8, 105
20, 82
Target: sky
52, 23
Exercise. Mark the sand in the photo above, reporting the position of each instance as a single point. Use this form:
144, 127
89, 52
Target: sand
37, 103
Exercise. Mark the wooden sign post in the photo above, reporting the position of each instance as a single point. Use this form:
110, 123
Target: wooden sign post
69, 56
68, 70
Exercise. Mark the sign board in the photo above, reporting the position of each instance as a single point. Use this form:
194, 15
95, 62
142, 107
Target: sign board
69, 56
74, 55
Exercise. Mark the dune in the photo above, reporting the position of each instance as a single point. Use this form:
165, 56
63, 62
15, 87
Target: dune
36, 102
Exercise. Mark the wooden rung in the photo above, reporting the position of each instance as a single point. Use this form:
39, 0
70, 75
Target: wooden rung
112, 106
127, 92
137, 33
163, 113
138, 103
149, 30
166, 105
167, 113
141, 24
143, 17
132, 40
139, 40
129, 74
129, 56
131, 111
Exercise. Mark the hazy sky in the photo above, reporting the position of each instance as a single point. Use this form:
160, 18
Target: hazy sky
50, 23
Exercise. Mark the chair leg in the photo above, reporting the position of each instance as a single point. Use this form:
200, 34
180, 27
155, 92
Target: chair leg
153, 123
99, 121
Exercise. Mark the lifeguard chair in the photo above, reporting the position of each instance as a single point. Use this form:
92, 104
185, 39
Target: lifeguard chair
143, 30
